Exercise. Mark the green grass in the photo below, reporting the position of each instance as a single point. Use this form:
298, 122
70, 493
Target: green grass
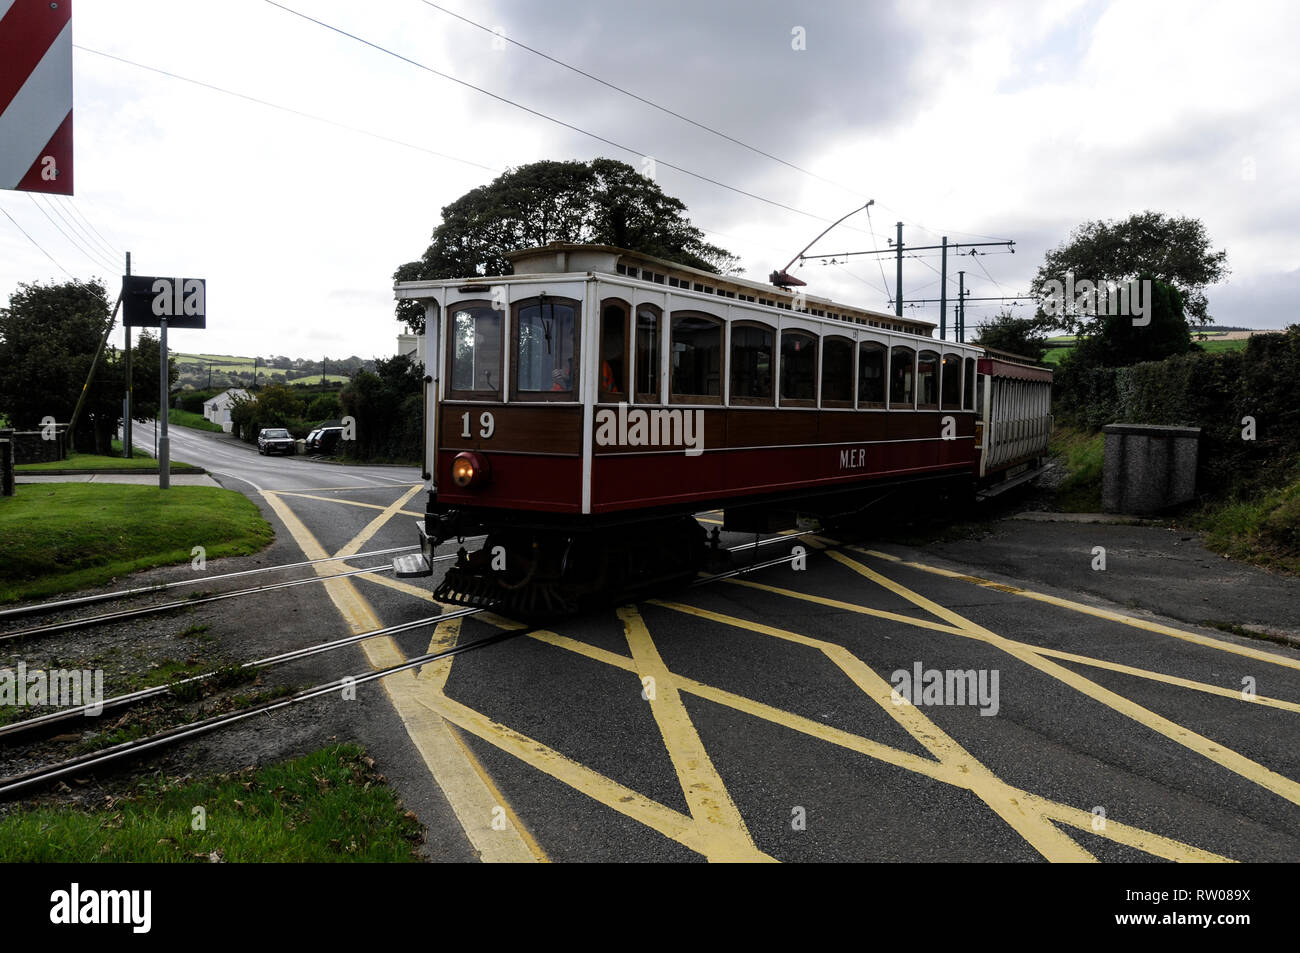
315, 379
57, 537
1054, 355
1083, 454
1264, 530
184, 418
326, 806
140, 460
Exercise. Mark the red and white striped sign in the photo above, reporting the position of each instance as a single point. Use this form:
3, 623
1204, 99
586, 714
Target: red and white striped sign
36, 95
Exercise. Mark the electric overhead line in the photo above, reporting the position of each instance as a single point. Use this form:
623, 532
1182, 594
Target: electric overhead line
37, 244
103, 243
641, 99
92, 250
74, 243
289, 109
541, 115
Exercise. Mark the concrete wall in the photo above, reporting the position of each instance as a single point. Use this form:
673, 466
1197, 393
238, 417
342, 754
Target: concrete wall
31, 446
1148, 468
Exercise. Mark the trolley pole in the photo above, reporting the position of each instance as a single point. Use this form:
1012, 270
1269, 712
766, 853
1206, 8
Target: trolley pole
164, 456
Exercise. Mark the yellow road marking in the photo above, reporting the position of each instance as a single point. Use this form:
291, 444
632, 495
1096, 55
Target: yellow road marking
1233, 693
515, 821
378, 523
333, 499
1220, 754
1121, 833
470, 799
1156, 627
718, 819
848, 606
1004, 800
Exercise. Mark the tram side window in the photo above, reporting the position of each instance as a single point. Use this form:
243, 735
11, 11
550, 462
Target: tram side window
951, 383
647, 354
697, 359
927, 379
476, 349
902, 392
798, 366
969, 402
751, 364
546, 365
837, 372
613, 351
871, 374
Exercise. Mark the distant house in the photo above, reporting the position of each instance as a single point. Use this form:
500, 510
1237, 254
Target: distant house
217, 409
412, 345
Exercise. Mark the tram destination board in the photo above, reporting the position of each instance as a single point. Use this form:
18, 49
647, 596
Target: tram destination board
146, 301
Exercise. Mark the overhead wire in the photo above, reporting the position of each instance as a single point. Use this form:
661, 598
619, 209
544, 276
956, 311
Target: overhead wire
102, 242
37, 244
97, 255
73, 241
541, 115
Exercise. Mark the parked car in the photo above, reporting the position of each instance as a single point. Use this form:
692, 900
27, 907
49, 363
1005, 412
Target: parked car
275, 440
327, 440
310, 442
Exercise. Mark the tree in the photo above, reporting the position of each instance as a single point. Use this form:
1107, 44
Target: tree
602, 202
1173, 250
48, 338
1006, 332
388, 407
1119, 342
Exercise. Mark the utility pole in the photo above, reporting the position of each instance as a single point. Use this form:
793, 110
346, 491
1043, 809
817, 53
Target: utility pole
943, 290
126, 416
254, 372
961, 307
322, 372
898, 281
164, 445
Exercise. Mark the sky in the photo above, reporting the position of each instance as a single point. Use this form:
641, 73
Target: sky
979, 121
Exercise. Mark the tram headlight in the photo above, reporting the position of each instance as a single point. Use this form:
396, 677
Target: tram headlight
469, 470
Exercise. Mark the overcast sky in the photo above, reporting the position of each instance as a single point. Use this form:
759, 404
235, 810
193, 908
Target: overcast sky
981, 121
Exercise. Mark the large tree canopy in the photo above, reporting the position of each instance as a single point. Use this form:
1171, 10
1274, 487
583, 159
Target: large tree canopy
48, 338
1173, 250
603, 202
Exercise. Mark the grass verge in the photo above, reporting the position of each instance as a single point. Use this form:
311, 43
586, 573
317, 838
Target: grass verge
90, 462
184, 418
58, 537
1263, 530
1083, 455
330, 805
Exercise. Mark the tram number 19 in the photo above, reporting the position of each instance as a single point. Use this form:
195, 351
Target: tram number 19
487, 425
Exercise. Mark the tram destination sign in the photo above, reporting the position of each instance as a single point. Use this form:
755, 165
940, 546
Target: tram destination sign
146, 301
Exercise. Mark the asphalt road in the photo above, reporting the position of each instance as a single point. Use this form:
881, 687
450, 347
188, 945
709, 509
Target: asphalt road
764, 718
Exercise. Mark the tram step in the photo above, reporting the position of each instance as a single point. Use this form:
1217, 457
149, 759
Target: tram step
411, 565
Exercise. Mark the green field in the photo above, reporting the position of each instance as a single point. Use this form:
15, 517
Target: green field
183, 418
1054, 355
57, 537
315, 379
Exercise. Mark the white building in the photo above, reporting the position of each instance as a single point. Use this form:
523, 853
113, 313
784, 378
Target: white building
217, 409
412, 345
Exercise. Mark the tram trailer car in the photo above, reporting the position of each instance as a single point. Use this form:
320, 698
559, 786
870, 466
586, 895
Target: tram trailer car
580, 411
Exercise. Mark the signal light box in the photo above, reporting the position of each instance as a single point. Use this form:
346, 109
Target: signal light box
146, 301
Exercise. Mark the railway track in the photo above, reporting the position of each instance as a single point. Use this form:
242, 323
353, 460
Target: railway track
17, 783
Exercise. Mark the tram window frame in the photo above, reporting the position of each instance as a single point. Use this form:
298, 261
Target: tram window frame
839, 340
733, 364
676, 397
782, 378
655, 354
871, 344
573, 393
619, 394
950, 364
451, 312
935, 361
910, 379
970, 385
